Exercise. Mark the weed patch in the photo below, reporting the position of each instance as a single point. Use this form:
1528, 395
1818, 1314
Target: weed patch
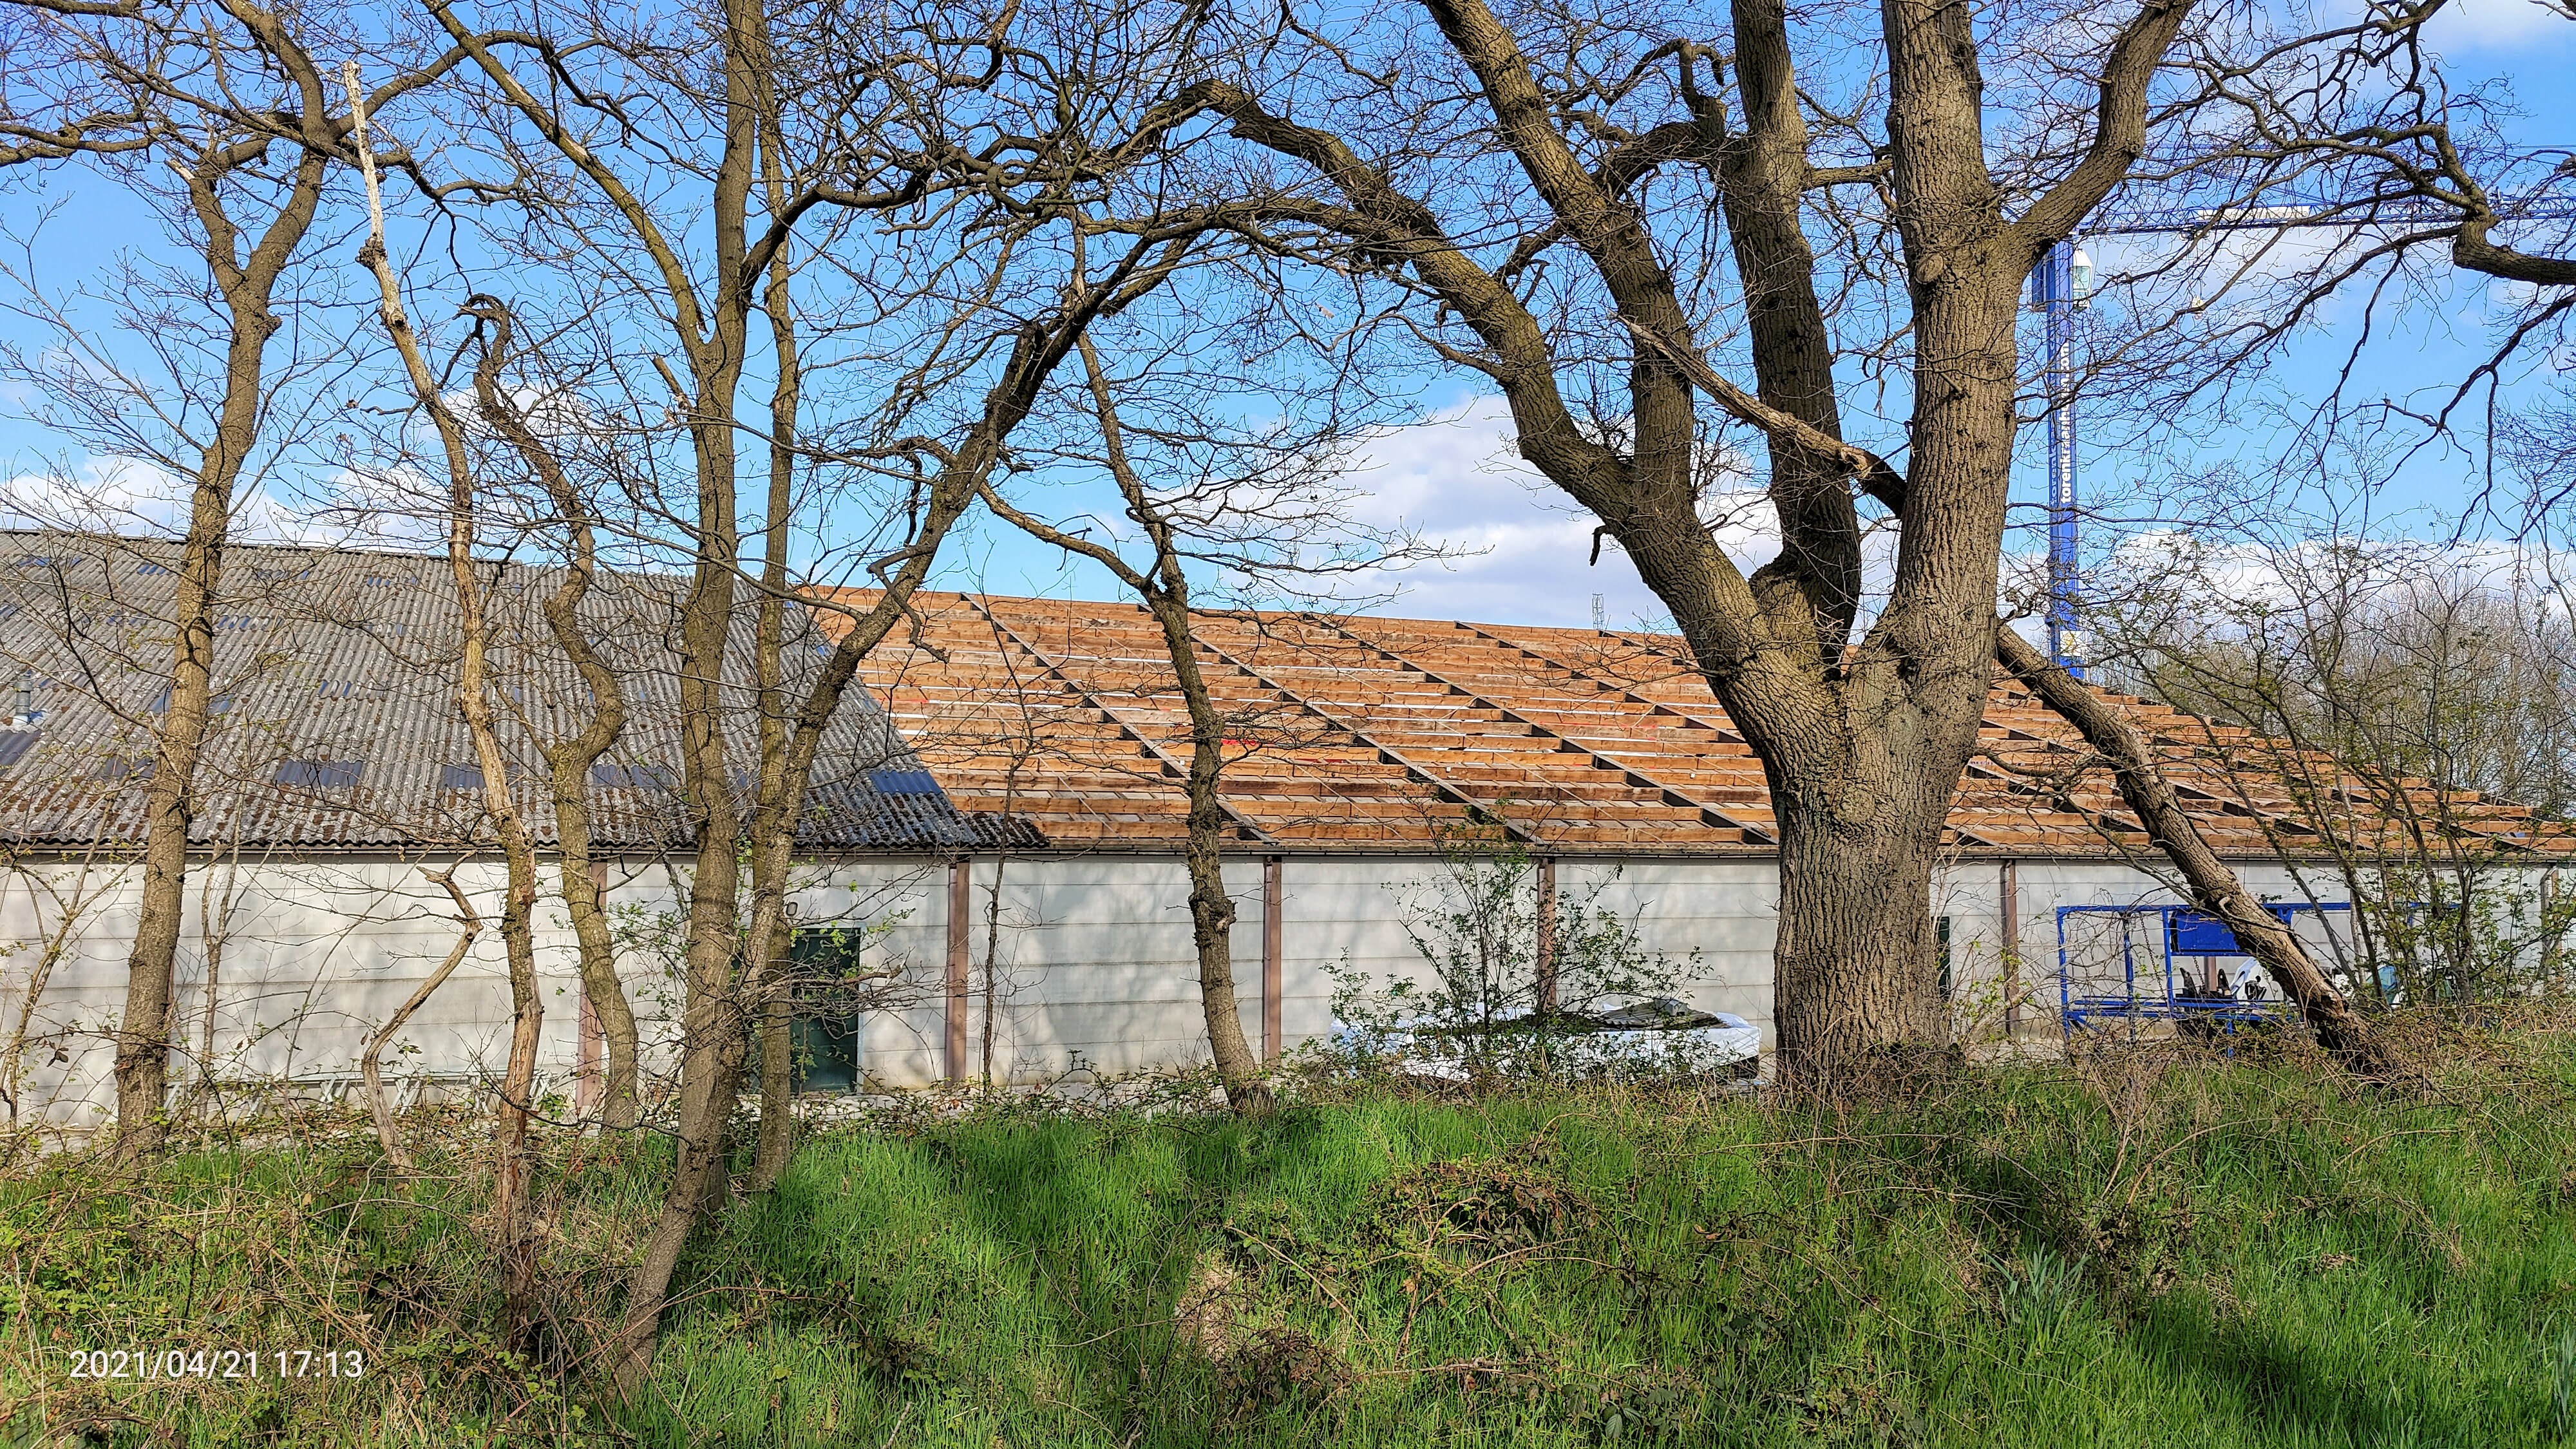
2187, 1250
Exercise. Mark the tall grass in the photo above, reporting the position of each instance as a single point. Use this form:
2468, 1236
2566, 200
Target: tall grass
2139, 1250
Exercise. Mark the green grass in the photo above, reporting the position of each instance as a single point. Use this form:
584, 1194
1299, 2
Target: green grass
2146, 1252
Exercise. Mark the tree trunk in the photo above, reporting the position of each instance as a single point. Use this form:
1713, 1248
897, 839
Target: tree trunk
514, 1172
247, 286
720, 990
1211, 906
1853, 961
388, 1133
773, 849
777, 1069
712, 1047
2214, 888
514, 1167
569, 761
621, 1076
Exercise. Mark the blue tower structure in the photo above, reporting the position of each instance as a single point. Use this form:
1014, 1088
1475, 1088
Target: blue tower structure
2059, 287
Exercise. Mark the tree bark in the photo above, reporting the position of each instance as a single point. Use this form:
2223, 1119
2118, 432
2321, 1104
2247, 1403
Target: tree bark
569, 761
2214, 887
720, 992
777, 1139
247, 286
513, 1148
1212, 909
775, 849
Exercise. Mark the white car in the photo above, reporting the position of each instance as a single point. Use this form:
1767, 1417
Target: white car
1648, 1040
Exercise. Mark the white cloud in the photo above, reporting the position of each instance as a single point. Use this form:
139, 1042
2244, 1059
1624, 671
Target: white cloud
100, 494
2230, 583
1519, 548
119, 496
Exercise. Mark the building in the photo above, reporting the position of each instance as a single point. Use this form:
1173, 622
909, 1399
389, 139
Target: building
997, 820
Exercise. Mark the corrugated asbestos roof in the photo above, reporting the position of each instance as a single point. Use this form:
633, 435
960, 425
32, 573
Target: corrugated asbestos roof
1361, 733
339, 729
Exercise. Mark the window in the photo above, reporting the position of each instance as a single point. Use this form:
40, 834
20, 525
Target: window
338, 689
903, 782
460, 777
34, 561
14, 745
635, 777
320, 774
828, 1034
151, 568
271, 576
127, 767
1941, 945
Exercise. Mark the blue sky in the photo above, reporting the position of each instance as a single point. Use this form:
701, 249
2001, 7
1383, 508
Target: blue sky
1518, 553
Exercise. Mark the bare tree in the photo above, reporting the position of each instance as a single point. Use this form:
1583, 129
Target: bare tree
2404, 707
514, 1168
247, 280
909, 130
172, 82
1251, 506
1565, 268
1163, 585
569, 760
370, 1057
2214, 888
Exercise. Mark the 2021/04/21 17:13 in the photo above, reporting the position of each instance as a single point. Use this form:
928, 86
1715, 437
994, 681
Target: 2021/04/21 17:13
218, 1363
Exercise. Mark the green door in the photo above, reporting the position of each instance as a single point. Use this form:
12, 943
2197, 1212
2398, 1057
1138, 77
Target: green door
826, 1030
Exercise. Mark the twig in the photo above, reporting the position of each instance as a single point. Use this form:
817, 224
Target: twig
386, 1133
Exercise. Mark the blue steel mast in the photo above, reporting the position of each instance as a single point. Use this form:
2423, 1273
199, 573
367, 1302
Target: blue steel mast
2060, 285
2053, 286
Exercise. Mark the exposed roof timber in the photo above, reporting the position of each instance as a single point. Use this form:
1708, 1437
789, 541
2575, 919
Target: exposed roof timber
1639, 779
1385, 752
1170, 763
2270, 820
2014, 784
1724, 732
1414, 711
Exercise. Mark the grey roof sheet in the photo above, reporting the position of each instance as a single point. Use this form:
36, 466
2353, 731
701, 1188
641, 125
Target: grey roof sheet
337, 656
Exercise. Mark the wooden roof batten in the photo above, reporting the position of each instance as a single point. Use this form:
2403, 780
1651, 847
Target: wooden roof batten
1687, 717
1672, 795
1414, 718
1726, 732
1481, 809
1171, 764
1963, 832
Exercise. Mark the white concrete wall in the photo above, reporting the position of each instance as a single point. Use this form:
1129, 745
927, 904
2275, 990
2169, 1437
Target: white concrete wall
1727, 911
305, 960
1092, 960
1083, 958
